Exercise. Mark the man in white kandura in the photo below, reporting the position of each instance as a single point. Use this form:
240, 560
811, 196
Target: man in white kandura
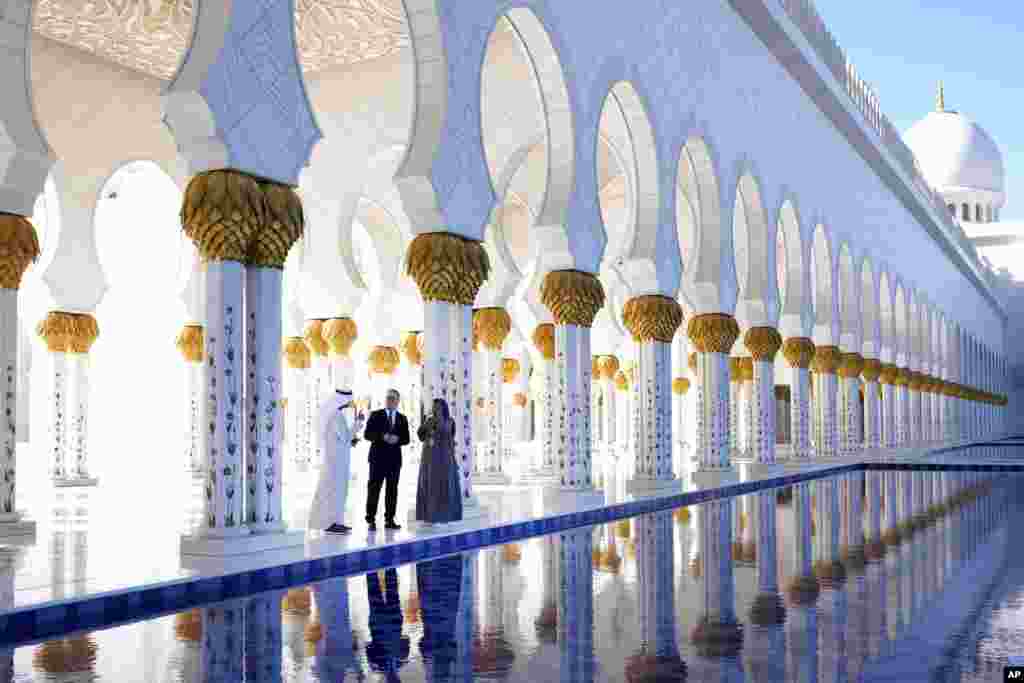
336, 441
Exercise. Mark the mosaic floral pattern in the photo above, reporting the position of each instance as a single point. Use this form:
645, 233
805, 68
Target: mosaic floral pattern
762, 437
800, 408
9, 429
58, 402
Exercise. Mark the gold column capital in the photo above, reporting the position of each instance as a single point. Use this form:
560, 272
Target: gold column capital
608, 366
314, 336
691, 362
763, 343
573, 296
735, 369
283, 226
652, 318
826, 359
713, 332
221, 213
746, 369
544, 340
889, 374
19, 246
621, 381
680, 385
509, 370
412, 348
339, 334
85, 331
190, 343
872, 369
491, 326
902, 377
798, 352
383, 360
296, 353
447, 267
851, 365
68, 332
519, 399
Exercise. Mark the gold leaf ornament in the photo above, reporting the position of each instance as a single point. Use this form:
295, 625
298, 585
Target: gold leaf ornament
19, 247
652, 318
826, 359
339, 334
573, 297
491, 326
544, 340
798, 352
713, 332
872, 370
222, 212
383, 360
283, 227
190, 343
447, 267
763, 343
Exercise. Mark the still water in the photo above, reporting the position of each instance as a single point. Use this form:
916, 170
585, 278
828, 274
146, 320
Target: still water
878, 576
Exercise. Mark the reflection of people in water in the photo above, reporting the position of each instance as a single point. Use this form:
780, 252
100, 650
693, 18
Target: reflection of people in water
389, 649
440, 586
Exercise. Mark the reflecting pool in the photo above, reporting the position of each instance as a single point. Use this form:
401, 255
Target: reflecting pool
875, 575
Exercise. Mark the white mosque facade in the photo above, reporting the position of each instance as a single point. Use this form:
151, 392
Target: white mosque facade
658, 241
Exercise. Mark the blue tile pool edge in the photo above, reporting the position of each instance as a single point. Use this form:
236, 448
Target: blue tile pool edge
112, 608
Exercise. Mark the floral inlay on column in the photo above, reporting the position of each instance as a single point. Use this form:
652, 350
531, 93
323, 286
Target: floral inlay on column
574, 298
799, 353
712, 335
763, 343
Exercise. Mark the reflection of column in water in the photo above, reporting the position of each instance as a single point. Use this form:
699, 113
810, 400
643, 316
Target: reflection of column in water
718, 632
223, 641
547, 619
465, 617
767, 637
297, 608
576, 605
263, 638
333, 642
58, 545
831, 576
658, 658
493, 654
875, 483
802, 591
183, 662
10, 560
853, 515
876, 603
827, 567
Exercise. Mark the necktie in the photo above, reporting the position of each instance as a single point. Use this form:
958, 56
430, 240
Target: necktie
391, 420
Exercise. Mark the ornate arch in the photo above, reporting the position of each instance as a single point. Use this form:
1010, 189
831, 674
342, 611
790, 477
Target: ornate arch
790, 271
701, 249
751, 242
823, 289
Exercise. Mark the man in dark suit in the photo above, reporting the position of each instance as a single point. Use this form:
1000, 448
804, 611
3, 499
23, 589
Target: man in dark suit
387, 430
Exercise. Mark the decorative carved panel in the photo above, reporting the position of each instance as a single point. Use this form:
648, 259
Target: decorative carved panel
151, 35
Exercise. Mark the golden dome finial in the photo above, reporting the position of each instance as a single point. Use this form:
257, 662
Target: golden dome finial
940, 99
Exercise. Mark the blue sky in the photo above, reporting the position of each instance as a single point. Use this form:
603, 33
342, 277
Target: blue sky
904, 47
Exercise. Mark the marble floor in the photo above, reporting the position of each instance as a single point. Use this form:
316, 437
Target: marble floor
124, 533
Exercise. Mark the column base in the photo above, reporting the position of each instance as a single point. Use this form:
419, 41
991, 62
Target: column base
645, 486
75, 481
558, 500
241, 544
713, 479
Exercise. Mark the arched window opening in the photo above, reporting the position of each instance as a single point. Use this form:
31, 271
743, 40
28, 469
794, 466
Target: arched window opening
977, 213
952, 210
965, 212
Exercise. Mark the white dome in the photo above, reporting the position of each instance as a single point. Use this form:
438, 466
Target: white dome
953, 151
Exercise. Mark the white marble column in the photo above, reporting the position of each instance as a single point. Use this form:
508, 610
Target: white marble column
712, 335
653, 321
547, 411
903, 410
297, 414
872, 404
926, 408
492, 327
826, 361
574, 298
412, 394
916, 436
849, 371
78, 399
680, 459
222, 656
317, 384
56, 331
190, 344
265, 438
8, 403
763, 343
224, 360
888, 377
799, 353
609, 429
736, 412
